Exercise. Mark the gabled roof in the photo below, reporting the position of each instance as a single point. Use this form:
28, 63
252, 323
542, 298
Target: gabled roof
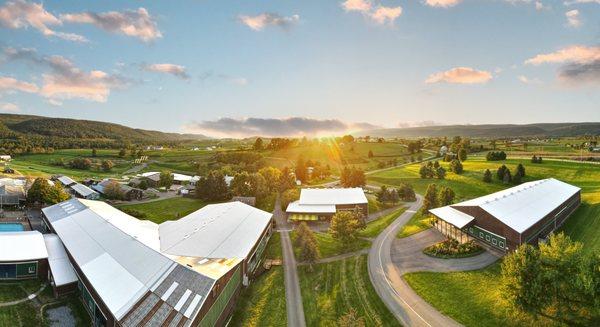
20, 246
122, 269
82, 190
296, 207
224, 230
522, 206
66, 180
335, 196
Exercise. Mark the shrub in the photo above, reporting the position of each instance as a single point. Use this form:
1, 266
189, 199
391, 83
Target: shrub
451, 248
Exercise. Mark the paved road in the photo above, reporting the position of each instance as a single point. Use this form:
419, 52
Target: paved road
293, 297
402, 301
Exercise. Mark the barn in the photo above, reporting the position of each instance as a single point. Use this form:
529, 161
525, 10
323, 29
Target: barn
526, 213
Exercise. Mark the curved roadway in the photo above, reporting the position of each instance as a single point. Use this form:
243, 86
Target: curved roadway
403, 302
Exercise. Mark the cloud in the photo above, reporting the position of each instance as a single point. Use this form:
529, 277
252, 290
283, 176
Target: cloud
175, 70
573, 19
442, 3
21, 14
581, 64
460, 75
272, 127
572, 54
380, 14
66, 81
568, 3
9, 107
136, 23
259, 22
11, 84
527, 80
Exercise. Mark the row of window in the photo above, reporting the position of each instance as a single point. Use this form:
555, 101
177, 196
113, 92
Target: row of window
492, 239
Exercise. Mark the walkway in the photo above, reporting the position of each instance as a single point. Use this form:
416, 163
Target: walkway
403, 302
407, 255
293, 296
28, 298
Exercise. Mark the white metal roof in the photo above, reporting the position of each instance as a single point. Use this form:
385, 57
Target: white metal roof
296, 207
82, 190
181, 177
452, 216
21, 246
62, 270
66, 180
224, 230
120, 268
335, 196
522, 206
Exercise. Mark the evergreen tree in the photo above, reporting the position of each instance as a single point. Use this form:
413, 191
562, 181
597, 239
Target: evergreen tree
440, 173
521, 170
445, 196
430, 199
344, 227
462, 154
300, 170
456, 166
507, 177
487, 176
258, 144
501, 172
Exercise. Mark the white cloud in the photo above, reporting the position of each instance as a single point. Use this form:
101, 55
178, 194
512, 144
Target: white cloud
175, 70
575, 53
259, 22
527, 80
442, 3
22, 14
136, 23
9, 107
54, 102
460, 75
573, 19
380, 14
568, 3
12, 84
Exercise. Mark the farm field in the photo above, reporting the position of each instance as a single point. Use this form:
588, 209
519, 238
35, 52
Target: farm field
163, 210
478, 305
330, 290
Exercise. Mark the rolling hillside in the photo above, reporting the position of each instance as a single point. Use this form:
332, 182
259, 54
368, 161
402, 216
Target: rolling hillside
511, 130
82, 129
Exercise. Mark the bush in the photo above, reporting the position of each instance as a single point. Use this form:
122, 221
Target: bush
451, 248
456, 166
495, 155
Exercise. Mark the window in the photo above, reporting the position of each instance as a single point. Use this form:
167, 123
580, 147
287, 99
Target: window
494, 241
487, 238
470, 229
31, 270
501, 244
481, 234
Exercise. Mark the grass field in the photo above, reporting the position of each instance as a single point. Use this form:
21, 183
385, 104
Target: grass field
29, 314
377, 226
263, 302
329, 247
417, 223
473, 298
168, 209
330, 290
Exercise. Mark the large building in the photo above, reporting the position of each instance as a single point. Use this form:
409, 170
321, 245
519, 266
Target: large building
23, 255
320, 204
506, 219
134, 272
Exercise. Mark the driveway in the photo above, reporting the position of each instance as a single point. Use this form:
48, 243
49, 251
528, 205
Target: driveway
407, 255
403, 302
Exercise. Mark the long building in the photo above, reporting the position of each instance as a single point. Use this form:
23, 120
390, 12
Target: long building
320, 204
134, 272
504, 220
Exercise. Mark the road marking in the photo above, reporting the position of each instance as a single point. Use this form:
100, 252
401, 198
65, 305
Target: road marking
387, 279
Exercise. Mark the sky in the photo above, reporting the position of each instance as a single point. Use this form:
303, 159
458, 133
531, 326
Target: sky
274, 68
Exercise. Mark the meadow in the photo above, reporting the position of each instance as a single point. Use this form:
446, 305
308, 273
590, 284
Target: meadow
474, 298
162, 210
330, 290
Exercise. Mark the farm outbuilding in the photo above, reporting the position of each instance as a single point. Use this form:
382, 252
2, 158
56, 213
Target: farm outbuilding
321, 204
504, 220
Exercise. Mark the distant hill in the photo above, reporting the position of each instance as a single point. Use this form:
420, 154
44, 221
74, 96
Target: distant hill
491, 130
83, 129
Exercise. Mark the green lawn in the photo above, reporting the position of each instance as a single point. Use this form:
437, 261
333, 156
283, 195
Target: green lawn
376, 206
375, 227
417, 223
168, 209
330, 290
329, 247
27, 314
263, 302
473, 298
273, 250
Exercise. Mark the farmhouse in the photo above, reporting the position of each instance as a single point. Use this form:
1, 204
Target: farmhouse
321, 204
134, 272
506, 219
